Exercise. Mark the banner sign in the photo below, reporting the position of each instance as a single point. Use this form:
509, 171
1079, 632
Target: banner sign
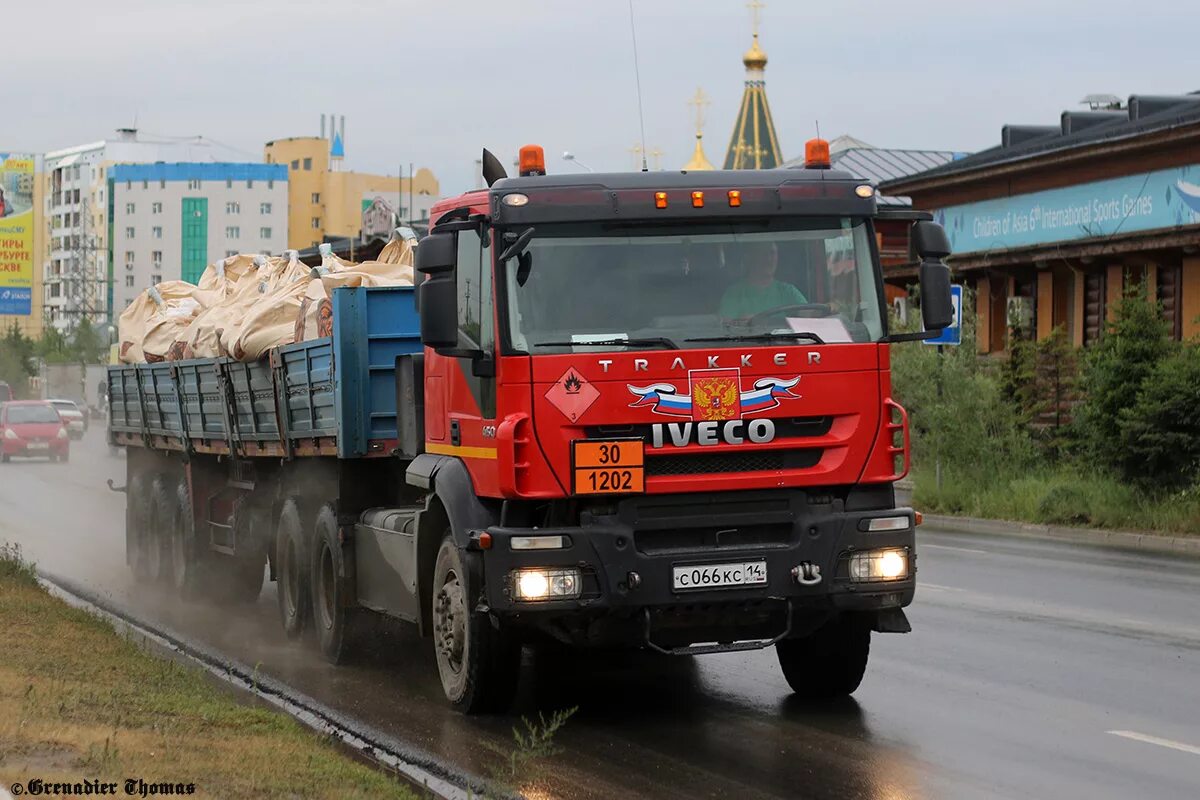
1162, 199
16, 233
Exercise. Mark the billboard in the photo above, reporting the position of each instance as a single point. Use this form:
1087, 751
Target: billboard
1164, 198
16, 233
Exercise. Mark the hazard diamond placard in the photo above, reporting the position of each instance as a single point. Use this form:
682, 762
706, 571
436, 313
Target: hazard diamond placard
572, 395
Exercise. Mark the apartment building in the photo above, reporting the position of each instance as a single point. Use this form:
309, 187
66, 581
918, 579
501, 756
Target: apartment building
169, 221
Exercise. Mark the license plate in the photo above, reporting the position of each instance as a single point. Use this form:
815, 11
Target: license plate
719, 576
615, 466
38, 446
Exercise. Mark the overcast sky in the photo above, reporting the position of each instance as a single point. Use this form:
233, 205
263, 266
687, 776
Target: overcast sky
432, 82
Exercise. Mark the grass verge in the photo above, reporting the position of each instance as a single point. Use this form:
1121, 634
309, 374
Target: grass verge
78, 701
1060, 498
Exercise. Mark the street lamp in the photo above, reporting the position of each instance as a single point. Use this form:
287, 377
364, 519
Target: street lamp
569, 156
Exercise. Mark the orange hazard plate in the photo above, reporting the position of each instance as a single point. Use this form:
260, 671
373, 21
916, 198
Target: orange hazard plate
610, 466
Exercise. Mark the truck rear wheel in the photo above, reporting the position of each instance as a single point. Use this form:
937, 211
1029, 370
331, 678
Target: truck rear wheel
477, 662
340, 625
828, 663
292, 569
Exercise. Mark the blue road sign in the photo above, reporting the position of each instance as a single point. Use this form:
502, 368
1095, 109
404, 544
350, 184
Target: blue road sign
953, 334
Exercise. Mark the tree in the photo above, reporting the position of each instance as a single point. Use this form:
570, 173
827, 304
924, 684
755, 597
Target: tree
16, 359
86, 344
53, 347
1160, 431
1133, 344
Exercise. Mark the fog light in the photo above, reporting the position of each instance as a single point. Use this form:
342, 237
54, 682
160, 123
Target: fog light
888, 524
879, 565
537, 542
545, 583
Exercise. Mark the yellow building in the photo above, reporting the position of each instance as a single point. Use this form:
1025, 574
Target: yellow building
326, 201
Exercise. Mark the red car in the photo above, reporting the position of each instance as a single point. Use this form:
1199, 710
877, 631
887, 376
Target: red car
32, 428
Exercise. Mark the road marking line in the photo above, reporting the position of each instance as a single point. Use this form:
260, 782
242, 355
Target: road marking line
938, 587
1143, 737
923, 545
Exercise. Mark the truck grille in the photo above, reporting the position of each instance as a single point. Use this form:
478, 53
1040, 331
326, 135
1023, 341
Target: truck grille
716, 463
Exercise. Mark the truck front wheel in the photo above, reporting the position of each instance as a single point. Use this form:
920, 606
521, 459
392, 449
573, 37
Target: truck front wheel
291, 558
829, 662
478, 663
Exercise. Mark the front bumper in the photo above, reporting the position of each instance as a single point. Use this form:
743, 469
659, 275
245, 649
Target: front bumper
21, 448
626, 558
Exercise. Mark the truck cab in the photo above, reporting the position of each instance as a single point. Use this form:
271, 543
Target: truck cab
658, 414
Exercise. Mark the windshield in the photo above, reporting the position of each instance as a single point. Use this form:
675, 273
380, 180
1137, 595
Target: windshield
64, 405
597, 288
18, 415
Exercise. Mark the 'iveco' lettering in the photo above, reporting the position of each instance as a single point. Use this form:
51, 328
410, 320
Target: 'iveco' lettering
708, 433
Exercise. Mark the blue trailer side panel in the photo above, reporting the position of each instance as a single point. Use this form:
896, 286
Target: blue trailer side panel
370, 328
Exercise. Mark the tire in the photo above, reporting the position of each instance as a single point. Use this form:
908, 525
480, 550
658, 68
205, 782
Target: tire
341, 626
184, 560
478, 663
292, 565
6, 458
65, 457
138, 520
154, 539
242, 580
828, 663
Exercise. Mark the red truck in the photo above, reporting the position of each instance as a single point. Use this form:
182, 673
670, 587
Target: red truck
649, 410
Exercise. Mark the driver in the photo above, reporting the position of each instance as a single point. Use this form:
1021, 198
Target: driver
758, 291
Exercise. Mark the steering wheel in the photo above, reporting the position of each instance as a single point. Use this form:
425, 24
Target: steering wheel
822, 309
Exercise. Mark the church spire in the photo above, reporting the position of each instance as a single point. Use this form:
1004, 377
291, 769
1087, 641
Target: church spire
699, 161
754, 144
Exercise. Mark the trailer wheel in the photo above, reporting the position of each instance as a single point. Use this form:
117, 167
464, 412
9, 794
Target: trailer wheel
293, 588
478, 663
340, 624
154, 541
138, 522
828, 663
183, 561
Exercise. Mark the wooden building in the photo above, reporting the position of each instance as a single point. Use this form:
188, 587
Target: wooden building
1051, 226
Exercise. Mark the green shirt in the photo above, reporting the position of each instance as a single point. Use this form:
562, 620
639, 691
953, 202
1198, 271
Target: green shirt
744, 299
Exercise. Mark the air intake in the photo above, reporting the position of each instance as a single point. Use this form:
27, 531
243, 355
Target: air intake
1145, 105
1013, 135
1076, 121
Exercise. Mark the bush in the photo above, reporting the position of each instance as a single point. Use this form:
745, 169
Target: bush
1160, 431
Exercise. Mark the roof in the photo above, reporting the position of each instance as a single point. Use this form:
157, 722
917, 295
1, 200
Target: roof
877, 164
1106, 128
210, 171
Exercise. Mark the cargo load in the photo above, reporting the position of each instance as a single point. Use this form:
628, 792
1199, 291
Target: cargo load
150, 325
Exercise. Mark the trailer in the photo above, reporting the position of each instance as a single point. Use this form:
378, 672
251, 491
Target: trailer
579, 427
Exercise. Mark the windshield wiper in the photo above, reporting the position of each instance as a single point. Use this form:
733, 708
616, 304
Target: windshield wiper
661, 341
762, 337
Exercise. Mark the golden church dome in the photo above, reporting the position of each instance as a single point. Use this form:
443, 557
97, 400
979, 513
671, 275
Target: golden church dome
755, 57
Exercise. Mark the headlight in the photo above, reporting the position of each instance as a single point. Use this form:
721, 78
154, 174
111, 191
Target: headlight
879, 565
62, 433
545, 583
9, 433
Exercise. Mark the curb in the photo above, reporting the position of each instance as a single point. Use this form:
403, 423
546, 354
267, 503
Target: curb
1121, 540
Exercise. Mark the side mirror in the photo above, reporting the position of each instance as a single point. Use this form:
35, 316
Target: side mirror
437, 294
932, 245
930, 240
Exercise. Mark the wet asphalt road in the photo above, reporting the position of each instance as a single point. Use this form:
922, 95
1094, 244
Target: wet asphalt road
1025, 658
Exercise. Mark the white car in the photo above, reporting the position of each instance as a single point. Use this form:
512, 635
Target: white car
76, 421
